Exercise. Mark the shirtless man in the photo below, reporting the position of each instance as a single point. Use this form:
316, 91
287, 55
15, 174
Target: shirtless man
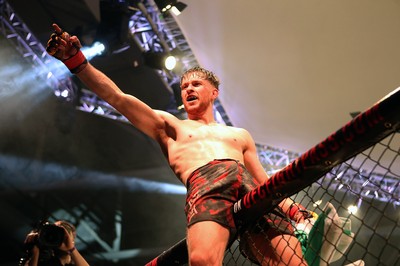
193, 148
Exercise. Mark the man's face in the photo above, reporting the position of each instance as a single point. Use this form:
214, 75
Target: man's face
197, 92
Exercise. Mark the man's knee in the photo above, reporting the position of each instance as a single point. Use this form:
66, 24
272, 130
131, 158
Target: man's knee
204, 250
204, 258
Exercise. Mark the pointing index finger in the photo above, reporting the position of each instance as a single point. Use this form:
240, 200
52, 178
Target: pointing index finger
57, 29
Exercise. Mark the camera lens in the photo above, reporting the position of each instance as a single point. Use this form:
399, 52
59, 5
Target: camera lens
51, 235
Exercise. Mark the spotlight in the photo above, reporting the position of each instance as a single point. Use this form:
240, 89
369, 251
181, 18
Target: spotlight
178, 8
170, 62
352, 209
160, 60
97, 48
170, 5
63, 93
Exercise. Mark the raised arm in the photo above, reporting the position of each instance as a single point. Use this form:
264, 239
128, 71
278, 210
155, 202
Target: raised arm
137, 112
67, 49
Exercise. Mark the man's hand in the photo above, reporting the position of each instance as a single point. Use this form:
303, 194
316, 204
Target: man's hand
67, 49
61, 45
298, 213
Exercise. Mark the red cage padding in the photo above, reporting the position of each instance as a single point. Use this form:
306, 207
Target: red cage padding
366, 129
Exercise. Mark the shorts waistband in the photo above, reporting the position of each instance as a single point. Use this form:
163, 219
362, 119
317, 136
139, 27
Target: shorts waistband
208, 164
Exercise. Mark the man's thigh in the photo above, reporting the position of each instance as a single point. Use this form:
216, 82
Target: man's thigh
207, 236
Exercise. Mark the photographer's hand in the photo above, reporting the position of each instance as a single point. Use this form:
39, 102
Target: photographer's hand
68, 245
31, 240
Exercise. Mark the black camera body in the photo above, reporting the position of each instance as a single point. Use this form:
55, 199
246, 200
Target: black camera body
49, 239
51, 235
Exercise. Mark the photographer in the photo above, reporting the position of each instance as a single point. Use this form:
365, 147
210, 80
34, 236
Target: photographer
52, 245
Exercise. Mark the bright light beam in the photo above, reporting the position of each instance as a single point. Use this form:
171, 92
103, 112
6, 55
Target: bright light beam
96, 49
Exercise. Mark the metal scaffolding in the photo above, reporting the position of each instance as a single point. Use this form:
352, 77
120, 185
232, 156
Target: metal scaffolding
14, 30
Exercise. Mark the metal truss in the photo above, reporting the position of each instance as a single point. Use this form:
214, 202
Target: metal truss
365, 184
91, 103
274, 159
33, 51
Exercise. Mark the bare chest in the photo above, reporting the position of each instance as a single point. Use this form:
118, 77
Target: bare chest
217, 134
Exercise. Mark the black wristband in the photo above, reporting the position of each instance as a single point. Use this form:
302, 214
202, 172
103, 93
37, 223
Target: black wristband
71, 250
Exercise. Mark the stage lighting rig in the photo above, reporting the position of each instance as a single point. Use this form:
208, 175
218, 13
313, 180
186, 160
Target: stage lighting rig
162, 60
173, 6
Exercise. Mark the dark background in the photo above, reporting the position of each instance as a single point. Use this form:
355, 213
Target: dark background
60, 163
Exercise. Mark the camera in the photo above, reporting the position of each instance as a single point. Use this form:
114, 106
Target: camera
49, 238
50, 235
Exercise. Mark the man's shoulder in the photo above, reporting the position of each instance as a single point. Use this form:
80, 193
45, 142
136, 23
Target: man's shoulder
167, 116
233, 130
237, 129
242, 132
170, 119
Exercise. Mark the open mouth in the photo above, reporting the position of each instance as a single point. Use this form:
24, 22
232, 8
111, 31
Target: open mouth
191, 98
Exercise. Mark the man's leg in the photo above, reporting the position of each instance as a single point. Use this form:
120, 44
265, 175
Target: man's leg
207, 243
287, 250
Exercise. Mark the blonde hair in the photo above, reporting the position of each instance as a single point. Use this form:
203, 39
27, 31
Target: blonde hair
207, 75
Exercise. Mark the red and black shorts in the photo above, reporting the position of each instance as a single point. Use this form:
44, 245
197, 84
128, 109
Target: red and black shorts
213, 189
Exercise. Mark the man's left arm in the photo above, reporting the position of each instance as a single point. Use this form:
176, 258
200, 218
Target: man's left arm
292, 210
251, 160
